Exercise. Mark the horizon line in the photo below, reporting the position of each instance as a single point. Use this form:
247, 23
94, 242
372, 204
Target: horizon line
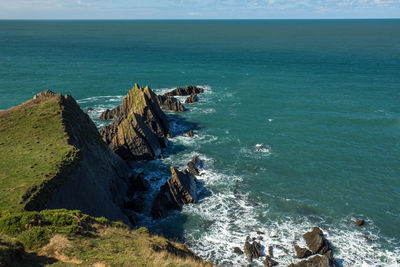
187, 19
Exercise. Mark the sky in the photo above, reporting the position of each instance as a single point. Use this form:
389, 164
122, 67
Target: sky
198, 9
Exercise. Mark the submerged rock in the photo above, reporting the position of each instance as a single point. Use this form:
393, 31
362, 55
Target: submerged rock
252, 249
180, 189
191, 99
140, 127
170, 103
188, 90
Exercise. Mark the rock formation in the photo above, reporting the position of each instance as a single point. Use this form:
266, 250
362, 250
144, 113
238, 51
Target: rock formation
140, 128
194, 165
316, 241
170, 103
359, 222
180, 189
188, 90
252, 249
110, 114
191, 99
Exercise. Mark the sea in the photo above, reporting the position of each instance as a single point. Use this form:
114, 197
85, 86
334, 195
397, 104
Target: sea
299, 124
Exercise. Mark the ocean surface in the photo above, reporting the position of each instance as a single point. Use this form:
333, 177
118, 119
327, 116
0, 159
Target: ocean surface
299, 124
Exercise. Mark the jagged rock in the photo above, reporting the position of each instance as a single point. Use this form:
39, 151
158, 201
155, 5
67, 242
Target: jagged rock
190, 133
269, 262
188, 90
110, 114
237, 250
180, 189
191, 99
170, 103
271, 251
252, 250
140, 127
193, 165
301, 252
359, 222
45, 93
316, 261
316, 241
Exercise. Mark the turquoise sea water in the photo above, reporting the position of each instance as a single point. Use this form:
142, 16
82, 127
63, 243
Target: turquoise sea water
299, 125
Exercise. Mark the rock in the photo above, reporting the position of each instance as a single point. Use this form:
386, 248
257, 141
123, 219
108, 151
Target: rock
367, 238
45, 93
359, 223
316, 241
110, 114
316, 261
191, 99
180, 189
301, 252
193, 165
138, 183
252, 250
190, 133
260, 233
269, 262
134, 204
188, 90
140, 127
170, 103
271, 251
237, 250
89, 109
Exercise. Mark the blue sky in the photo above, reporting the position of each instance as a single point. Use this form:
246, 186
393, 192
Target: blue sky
197, 9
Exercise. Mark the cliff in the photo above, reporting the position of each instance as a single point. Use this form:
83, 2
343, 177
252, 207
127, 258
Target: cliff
52, 156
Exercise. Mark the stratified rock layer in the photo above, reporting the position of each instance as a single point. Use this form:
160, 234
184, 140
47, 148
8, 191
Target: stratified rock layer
180, 189
170, 103
141, 127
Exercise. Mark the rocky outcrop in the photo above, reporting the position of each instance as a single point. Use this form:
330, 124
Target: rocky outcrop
180, 189
96, 182
141, 127
110, 114
191, 99
194, 165
170, 103
359, 222
188, 90
316, 261
252, 249
316, 241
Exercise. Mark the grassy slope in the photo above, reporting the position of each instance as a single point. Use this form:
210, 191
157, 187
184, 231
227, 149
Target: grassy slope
33, 146
63, 237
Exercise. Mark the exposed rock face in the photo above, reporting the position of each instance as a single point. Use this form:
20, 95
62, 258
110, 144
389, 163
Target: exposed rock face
97, 183
301, 252
316, 261
188, 90
191, 99
359, 222
252, 250
316, 241
180, 189
170, 103
110, 114
194, 165
140, 128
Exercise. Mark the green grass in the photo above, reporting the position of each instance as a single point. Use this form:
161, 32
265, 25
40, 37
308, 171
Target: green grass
33, 149
63, 237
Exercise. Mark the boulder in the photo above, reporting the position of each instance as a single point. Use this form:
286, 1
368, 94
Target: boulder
359, 222
190, 133
188, 90
269, 262
252, 249
180, 189
316, 241
316, 261
139, 129
170, 103
301, 252
191, 99
193, 165
237, 250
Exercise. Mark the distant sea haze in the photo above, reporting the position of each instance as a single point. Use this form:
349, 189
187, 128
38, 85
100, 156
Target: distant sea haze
299, 125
